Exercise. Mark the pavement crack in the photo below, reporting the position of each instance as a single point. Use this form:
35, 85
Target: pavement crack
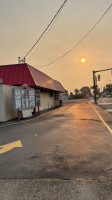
96, 120
39, 156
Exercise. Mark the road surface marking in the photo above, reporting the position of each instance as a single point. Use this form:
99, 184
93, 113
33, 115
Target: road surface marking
104, 103
16, 123
109, 110
8, 147
108, 127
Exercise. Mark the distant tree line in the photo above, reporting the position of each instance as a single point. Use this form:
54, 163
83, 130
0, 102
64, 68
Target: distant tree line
84, 92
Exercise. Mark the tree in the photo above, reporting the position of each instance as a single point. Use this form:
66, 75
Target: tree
109, 87
104, 89
85, 91
71, 93
76, 91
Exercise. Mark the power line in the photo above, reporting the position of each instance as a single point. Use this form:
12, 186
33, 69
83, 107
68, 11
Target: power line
79, 40
44, 37
46, 28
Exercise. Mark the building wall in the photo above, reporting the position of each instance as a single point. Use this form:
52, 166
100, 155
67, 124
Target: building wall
64, 96
46, 100
6, 110
2, 105
9, 112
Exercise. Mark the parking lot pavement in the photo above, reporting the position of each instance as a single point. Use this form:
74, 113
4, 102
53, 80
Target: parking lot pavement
55, 190
71, 143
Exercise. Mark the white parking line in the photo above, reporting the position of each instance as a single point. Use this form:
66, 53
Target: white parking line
106, 125
104, 103
109, 110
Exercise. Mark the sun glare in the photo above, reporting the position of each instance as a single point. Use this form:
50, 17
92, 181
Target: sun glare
83, 60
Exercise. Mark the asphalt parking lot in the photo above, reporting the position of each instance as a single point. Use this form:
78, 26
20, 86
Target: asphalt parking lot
70, 147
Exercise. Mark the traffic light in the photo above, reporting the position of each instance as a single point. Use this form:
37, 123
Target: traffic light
98, 77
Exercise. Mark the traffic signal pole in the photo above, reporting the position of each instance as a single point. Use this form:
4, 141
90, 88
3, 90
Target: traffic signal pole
94, 86
95, 82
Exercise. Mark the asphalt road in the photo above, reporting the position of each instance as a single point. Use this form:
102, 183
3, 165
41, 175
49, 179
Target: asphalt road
70, 147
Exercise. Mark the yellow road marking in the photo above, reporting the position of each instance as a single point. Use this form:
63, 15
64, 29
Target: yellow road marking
108, 127
8, 147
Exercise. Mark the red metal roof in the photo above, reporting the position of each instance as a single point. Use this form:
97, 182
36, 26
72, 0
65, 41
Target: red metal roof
20, 74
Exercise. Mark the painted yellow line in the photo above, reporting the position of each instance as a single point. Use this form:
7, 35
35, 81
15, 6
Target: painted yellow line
10, 146
16, 123
108, 127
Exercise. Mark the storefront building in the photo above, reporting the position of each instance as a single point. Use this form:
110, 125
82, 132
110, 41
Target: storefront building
13, 76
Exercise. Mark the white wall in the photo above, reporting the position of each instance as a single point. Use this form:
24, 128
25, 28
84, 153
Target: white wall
6, 111
9, 112
2, 105
46, 101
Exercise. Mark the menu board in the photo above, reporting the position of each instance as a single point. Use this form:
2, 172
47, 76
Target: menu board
17, 93
31, 98
37, 97
17, 98
26, 98
23, 98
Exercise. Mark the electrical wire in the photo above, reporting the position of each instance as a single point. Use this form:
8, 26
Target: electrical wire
83, 38
46, 28
44, 37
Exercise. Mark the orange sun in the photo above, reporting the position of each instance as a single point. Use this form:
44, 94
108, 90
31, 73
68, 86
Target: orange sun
83, 60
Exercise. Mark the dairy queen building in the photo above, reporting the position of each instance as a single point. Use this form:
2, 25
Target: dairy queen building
26, 80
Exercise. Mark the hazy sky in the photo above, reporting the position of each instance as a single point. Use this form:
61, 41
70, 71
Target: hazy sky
22, 22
